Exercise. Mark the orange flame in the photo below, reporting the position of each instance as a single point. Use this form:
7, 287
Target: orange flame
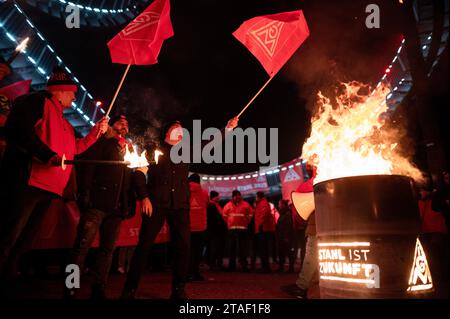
349, 140
135, 159
23, 45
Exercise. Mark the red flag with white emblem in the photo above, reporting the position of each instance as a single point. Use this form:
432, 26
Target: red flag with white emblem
274, 38
140, 42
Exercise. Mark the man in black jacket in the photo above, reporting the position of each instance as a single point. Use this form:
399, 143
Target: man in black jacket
105, 199
165, 196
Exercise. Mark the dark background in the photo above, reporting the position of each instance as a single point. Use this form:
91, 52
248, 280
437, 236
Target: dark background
205, 73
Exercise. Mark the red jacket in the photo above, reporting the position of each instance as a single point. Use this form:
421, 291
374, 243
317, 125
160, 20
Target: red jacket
199, 201
264, 217
432, 222
237, 216
57, 133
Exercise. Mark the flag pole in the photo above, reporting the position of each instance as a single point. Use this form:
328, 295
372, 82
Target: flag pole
118, 89
256, 95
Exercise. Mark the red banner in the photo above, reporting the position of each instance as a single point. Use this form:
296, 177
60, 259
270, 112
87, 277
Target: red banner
141, 40
247, 186
16, 89
59, 228
274, 38
291, 176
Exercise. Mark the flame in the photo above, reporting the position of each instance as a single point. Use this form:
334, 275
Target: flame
23, 45
158, 153
135, 159
350, 140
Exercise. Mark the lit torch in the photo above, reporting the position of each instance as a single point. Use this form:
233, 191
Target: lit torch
158, 153
19, 49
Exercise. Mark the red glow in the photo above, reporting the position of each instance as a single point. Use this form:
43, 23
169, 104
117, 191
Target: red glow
387, 70
98, 103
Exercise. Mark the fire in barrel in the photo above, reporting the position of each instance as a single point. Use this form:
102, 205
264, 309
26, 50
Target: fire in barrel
367, 216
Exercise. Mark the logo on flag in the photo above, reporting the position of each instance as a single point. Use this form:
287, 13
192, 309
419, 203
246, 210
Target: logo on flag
420, 278
291, 175
267, 36
194, 203
145, 20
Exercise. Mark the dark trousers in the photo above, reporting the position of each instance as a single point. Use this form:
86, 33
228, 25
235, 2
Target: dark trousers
25, 211
299, 243
179, 226
197, 244
108, 225
286, 249
216, 247
264, 241
238, 245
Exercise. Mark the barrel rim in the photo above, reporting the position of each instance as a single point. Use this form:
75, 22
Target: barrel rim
366, 176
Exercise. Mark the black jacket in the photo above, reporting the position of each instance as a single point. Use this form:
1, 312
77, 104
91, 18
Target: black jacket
106, 187
167, 185
23, 144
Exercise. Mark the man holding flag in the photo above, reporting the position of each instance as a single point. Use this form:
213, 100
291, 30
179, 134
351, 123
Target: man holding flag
37, 136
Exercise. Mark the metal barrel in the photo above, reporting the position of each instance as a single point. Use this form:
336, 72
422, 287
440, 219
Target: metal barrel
368, 238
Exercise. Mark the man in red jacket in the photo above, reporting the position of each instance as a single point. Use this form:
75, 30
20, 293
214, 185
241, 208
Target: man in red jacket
37, 136
264, 229
199, 201
238, 213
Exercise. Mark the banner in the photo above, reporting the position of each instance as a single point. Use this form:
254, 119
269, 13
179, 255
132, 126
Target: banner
290, 178
247, 186
59, 228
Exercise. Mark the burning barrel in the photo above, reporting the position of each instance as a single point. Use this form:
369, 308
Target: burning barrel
368, 245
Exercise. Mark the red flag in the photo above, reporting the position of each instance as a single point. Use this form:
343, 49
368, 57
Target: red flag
273, 38
140, 42
16, 89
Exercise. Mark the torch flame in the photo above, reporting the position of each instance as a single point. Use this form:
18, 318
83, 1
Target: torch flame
158, 153
23, 45
135, 159
350, 140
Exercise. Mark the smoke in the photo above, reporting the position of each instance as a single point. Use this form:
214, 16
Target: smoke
148, 108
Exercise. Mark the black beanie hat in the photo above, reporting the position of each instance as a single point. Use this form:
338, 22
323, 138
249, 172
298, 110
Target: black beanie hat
116, 118
60, 81
195, 178
166, 128
213, 194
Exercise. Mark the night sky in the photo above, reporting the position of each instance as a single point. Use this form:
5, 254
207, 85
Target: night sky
205, 73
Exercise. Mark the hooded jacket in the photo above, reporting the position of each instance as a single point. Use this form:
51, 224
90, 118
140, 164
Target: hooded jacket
199, 203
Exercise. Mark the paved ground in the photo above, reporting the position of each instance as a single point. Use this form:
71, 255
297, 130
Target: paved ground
218, 285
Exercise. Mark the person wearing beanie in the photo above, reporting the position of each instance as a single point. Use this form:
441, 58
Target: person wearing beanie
164, 193
37, 136
105, 199
238, 213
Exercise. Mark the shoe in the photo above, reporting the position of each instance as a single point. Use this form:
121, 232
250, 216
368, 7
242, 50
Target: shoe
121, 270
295, 291
128, 294
98, 292
178, 293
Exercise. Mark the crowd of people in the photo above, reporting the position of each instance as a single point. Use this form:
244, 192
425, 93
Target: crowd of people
231, 237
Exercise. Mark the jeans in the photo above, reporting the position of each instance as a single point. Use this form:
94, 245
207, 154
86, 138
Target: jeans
197, 244
264, 241
91, 221
309, 270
